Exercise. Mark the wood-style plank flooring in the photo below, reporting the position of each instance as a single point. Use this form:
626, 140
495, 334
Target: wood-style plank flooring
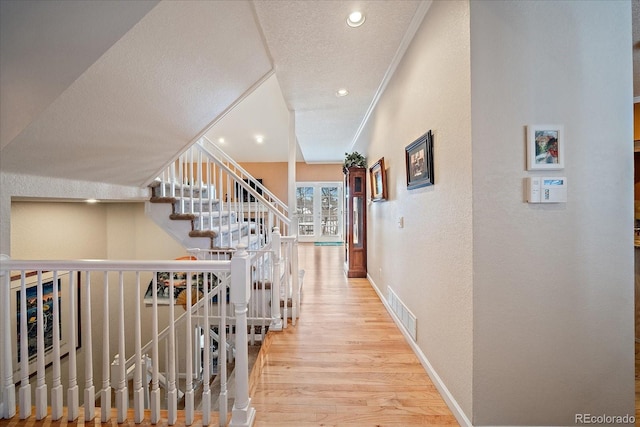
345, 363
637, 383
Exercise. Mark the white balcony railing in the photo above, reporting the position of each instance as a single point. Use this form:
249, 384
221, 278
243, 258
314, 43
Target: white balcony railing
77, 308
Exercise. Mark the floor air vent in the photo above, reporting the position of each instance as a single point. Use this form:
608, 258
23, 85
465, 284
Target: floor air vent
406, 317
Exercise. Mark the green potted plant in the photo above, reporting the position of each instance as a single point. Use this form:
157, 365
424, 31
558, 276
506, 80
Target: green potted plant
354, 160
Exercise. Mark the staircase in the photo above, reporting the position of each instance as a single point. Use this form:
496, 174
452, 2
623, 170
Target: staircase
205, 200
232, 227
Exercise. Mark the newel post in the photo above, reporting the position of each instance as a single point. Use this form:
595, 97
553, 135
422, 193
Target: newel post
243, 414
8, 392
276, 317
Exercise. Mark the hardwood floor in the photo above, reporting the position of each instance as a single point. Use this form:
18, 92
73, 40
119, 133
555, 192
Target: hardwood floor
345, 363
637, 383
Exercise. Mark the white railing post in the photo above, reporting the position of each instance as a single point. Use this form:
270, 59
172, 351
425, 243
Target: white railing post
8, 388
242, 414
276, 316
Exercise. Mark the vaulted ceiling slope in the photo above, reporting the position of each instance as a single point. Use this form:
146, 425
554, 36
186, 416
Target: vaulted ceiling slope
112, 91
143, 99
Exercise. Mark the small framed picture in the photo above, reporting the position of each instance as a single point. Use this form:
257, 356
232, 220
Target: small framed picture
545, 147
419, 162
378, 181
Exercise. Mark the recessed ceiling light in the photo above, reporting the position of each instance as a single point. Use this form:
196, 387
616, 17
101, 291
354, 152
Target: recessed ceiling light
221, 140
355, 19
91, 201
259, 139
342, 92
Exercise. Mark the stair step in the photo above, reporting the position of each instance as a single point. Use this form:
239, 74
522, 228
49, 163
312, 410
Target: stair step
180, 190
197, 205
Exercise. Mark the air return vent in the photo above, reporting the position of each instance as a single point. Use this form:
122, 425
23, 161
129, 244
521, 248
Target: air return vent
406, 317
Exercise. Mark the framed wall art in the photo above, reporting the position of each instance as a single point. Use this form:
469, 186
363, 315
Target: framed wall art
378, 178
65, 299
419, 162
545, 147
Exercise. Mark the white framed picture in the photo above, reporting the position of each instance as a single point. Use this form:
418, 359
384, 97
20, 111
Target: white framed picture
545, 147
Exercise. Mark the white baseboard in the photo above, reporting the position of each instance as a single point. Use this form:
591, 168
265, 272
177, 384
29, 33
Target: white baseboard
451, 402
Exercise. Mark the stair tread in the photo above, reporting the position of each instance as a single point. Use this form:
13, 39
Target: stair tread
228, 228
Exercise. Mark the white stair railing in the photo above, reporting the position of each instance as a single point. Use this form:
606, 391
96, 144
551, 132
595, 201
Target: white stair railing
220, 198
38, 296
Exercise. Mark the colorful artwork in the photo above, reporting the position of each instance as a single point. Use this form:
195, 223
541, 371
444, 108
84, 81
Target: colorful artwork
32, 320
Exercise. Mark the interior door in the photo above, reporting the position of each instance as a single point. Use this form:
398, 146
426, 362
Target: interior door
319, 208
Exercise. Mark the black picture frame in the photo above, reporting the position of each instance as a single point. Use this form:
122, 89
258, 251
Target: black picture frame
419, 162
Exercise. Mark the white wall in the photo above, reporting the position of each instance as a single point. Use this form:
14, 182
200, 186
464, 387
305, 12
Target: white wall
428, 262
116, 231
525, 312
26, 186
552, 287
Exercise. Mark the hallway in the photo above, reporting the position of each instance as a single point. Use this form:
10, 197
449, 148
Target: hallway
345, 363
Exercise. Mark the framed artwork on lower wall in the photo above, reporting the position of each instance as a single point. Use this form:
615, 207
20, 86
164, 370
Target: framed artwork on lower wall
52, 284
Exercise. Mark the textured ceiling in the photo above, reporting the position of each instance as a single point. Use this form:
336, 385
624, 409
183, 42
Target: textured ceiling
45, 46
316, 53
90, 94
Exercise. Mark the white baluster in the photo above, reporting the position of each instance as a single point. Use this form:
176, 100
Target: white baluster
201, 186
284, 283
155, 389
189, 399
295, 307
41, 386
89, 388
243, 414
8, 387
206, 374
191, 180
172, 395
73, 405
146, 361
25, 387
122, 393
222, 351
105, 394
56, 389
138, 391
276, 316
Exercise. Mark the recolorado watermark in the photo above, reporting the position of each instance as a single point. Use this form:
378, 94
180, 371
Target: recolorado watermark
604, 419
